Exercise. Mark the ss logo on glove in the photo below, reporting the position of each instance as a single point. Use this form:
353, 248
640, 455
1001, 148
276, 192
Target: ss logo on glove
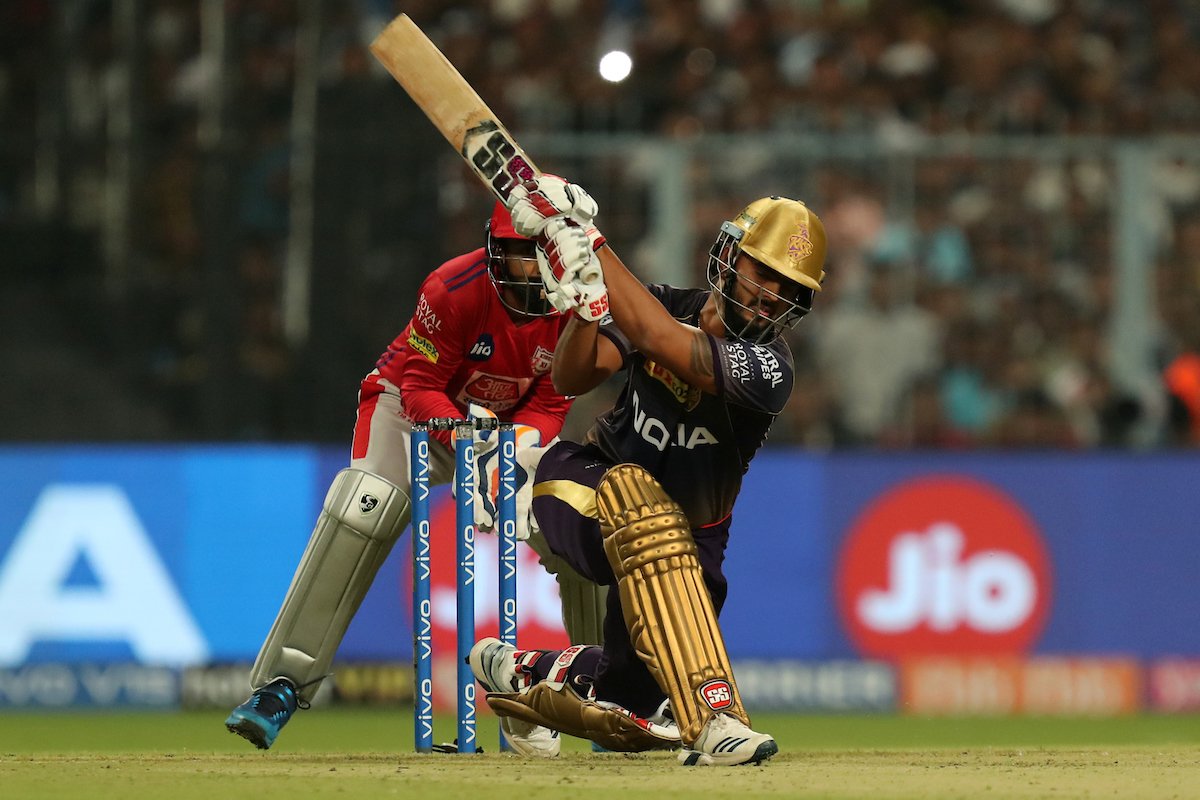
599, 306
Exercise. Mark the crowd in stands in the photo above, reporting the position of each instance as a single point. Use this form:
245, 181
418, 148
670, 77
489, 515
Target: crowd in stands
977, 311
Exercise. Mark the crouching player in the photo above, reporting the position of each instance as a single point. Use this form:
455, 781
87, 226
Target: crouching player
482, 337
644, 503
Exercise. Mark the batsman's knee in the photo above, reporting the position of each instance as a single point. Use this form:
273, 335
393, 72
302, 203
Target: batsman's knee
639, 521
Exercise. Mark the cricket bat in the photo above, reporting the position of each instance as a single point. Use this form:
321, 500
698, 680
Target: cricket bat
453, 106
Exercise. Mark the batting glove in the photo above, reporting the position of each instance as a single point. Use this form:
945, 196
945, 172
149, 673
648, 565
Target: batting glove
591, 300
571, 272
534, 203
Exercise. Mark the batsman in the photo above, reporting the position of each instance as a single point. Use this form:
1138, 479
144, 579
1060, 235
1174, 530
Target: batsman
644, 503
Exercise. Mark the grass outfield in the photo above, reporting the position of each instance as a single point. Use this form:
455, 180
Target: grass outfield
367, 754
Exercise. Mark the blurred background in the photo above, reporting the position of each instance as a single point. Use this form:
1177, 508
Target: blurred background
215, 215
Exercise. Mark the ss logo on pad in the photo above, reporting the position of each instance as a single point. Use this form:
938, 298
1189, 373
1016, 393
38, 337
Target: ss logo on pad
717, 694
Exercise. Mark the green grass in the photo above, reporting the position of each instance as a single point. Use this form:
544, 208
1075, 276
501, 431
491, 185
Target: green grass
367, 753
390, 730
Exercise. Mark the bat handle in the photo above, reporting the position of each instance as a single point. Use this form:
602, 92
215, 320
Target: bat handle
591, 274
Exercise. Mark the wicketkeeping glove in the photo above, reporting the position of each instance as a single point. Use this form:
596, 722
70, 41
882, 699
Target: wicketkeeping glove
528, 459
487, 475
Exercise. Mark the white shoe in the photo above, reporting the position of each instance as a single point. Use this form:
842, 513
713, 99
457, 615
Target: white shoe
726, 742
500, 667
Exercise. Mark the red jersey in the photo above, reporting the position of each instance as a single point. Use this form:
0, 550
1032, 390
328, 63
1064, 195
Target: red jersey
461, 347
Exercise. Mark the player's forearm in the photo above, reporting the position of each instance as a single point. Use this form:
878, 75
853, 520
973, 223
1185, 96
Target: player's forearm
577, 368
425, 404
638, 314
650, 328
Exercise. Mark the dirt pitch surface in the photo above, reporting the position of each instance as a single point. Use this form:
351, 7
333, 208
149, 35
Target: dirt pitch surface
185, 756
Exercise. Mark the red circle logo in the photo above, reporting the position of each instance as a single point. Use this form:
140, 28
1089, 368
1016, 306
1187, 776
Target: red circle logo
943, 565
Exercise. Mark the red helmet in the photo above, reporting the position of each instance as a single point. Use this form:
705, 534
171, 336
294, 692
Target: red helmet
525, 294
500, 225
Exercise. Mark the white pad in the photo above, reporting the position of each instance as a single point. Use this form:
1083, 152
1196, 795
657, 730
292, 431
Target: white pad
584, 602
362, 518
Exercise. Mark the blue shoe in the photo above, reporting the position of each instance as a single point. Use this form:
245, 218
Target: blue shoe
260, 718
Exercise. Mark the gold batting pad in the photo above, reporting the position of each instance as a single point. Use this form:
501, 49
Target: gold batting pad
667, 608
563, 710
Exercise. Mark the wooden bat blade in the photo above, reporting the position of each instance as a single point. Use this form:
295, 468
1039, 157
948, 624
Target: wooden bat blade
452, 106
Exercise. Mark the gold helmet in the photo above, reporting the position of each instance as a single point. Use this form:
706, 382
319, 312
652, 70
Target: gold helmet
783, 235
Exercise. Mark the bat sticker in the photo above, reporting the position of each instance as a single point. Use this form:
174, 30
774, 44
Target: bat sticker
495, 158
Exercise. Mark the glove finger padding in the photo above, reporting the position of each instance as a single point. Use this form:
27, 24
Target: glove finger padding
563, 252
528, 439
528, 458
536, 202
571, 271
487, 457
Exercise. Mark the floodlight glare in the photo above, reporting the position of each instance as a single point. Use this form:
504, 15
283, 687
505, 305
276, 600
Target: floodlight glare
615, 66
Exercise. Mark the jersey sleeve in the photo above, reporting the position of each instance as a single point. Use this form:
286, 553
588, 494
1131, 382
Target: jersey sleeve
753, 375
435, 352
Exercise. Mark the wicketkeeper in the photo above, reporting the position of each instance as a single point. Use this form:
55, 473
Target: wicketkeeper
481, 341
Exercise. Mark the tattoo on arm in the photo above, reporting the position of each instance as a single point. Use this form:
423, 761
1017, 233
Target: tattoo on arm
701, 356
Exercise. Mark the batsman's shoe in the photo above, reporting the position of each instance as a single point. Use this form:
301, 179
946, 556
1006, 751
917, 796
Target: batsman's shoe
726, 742
261, 717
500, 667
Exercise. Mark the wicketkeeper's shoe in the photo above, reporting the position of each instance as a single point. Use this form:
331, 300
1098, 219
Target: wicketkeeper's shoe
500, 667
527, 739
726, 742
261, 717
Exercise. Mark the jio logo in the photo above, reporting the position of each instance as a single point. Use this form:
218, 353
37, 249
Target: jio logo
943, 565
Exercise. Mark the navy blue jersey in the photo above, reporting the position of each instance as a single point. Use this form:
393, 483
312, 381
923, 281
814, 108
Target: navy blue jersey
696, 444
